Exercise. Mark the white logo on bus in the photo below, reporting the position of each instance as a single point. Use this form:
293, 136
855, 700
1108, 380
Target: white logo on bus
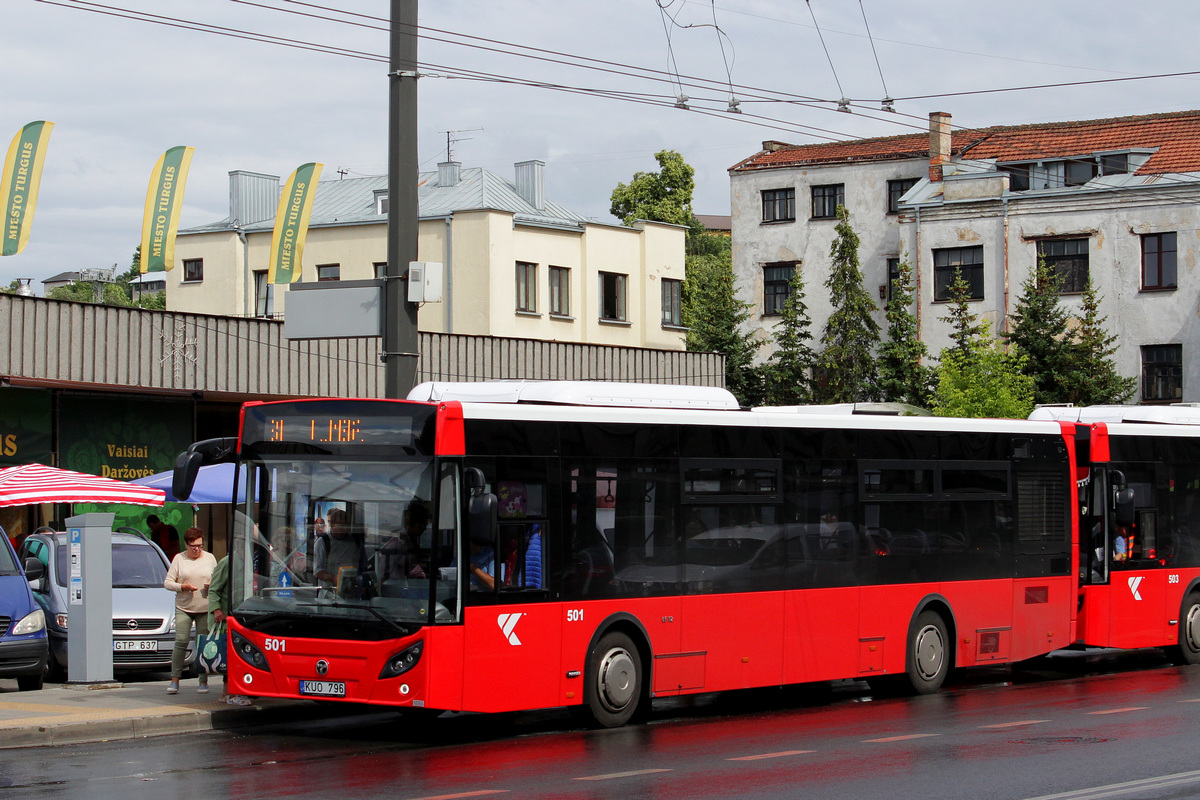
507, 623
1134, 583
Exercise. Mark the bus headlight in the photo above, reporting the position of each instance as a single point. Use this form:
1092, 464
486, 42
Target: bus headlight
403, 661
31, 623
248, 652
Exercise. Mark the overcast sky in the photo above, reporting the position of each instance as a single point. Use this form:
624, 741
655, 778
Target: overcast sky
121, 91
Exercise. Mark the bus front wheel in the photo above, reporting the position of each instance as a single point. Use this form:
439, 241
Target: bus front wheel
1188, 649
614, 685
928, 653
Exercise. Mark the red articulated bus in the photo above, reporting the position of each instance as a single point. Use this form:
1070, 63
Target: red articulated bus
505, 546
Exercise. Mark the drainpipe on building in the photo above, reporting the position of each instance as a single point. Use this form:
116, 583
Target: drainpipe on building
247, 283
917, 274
1004, 322
449, 272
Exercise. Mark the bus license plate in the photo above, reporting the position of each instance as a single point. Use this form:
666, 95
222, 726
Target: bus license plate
148, 645
323, 688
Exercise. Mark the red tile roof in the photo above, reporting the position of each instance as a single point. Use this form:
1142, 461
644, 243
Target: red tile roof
1176, 136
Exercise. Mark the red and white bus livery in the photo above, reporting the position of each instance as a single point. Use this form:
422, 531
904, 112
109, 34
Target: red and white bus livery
518, 545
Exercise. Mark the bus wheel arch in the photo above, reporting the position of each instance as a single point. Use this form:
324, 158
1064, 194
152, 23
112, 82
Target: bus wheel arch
616, 678
929, 647
1187, 651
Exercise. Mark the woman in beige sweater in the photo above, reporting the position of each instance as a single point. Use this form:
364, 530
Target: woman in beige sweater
189, 577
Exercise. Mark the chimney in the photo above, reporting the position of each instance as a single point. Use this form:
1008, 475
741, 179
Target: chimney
531, 183
774, 145
448, 173
939, 143
253, 197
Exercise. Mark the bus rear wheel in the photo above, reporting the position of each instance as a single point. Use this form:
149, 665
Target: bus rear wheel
1188, 649
928, 653
614, 680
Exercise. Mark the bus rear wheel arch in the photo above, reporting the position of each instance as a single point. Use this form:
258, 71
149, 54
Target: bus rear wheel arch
614, 681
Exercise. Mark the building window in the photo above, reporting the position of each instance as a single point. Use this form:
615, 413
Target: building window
264, 295
777, 286
526, 286
896, 190
193, 269
1162, 372
1068, 258
968, 260
329, 272
779, 205
893, 275
380, 269
612, 297
381, 202
1158, 261
672, 302
560, 291
826, 199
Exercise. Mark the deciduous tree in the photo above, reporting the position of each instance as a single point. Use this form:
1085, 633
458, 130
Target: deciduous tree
663, 196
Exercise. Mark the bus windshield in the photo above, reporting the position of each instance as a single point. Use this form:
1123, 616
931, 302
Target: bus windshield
345, 548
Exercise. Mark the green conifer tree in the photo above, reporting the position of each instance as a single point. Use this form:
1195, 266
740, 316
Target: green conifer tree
1094, 378
846, 366
714, 317
902, 376
787, 375
964, 323
1039, 333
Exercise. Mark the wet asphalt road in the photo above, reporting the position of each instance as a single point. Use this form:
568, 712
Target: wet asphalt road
1108, 725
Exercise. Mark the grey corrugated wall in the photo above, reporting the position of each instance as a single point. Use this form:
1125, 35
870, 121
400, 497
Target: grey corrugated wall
79, 343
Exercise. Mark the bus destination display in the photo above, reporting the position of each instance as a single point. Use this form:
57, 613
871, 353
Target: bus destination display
314, 430
333, 426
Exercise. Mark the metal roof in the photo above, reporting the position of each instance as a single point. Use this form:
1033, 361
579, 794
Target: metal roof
351, 201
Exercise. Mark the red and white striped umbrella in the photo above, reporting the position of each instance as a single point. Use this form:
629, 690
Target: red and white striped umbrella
27, 484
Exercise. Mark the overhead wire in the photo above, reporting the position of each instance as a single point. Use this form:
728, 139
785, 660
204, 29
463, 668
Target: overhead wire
615, 68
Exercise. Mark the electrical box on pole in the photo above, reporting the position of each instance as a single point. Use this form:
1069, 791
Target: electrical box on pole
424, 281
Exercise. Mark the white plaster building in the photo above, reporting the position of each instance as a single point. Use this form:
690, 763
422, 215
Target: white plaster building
1113, 199
515, 264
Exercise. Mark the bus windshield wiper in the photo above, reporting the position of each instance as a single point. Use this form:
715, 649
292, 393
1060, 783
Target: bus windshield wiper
371, 609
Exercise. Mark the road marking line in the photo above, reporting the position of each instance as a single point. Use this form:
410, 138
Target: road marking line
771, 755
902, 738
613, 775
1120, 710
1015, 724
480, 793
1197, 700
1116, 789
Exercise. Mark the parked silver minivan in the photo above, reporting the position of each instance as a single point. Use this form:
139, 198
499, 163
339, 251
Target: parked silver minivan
143, 611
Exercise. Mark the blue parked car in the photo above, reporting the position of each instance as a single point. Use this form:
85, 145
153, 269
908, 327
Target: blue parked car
23, 643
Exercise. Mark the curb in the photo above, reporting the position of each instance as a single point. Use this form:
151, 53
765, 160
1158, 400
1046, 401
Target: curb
191, 721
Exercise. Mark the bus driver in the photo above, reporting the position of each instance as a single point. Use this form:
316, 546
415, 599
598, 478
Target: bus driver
337, 554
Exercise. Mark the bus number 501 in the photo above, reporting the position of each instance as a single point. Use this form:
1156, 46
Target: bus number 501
276, 644
574, 615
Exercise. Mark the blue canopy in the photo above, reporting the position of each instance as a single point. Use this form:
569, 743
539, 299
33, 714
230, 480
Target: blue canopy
214, 484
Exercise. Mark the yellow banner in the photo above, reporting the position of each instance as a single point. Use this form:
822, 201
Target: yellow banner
164, 201
291, 223
19, 184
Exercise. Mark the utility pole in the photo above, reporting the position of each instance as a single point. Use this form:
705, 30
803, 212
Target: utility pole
400, 340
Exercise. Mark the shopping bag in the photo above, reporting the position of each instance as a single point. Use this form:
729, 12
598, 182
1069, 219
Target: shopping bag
210, 650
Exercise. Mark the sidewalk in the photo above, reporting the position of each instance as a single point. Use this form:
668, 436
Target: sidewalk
69, 714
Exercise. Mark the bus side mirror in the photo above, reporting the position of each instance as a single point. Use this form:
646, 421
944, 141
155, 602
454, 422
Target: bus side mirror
1124, 503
